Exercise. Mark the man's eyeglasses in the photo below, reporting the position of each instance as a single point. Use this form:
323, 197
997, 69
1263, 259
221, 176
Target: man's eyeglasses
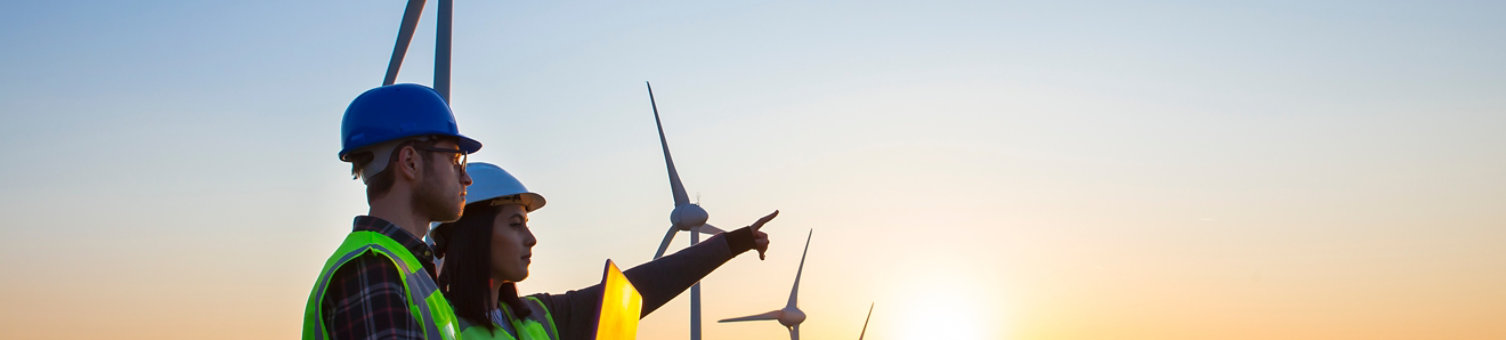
459, 158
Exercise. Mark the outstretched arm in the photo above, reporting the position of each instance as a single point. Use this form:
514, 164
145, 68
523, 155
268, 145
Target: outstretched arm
659, 280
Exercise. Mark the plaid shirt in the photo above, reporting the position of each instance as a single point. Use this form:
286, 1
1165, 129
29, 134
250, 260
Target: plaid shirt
365, 298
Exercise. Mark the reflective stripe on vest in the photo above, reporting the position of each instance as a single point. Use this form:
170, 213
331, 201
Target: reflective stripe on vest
537, 326
427, 305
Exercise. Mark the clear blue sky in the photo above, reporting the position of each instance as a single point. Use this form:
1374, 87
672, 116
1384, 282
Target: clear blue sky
1079, 169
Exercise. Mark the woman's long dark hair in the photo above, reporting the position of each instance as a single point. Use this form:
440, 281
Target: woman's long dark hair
466, 275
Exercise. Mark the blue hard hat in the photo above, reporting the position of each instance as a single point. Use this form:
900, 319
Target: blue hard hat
395, 112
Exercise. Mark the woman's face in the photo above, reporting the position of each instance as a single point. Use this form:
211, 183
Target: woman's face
512, 244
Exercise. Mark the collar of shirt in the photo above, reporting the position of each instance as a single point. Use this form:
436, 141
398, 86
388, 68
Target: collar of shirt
415, 245
502, 321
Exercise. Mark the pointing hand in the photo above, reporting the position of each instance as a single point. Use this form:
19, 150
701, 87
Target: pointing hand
761, 239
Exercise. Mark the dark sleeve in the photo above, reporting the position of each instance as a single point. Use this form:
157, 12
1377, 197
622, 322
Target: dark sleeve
659, 281
366, 300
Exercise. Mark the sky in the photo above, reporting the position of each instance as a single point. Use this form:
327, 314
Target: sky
975, 170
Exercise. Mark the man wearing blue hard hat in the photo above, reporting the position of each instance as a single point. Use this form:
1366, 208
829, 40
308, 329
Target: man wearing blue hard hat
403, 143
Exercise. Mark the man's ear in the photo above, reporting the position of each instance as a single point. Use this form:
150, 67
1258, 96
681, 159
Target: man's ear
410, 166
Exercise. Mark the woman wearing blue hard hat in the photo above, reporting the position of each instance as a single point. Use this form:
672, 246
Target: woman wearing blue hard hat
488, 250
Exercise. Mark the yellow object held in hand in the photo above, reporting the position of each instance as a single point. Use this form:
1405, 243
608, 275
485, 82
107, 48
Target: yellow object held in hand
621, 305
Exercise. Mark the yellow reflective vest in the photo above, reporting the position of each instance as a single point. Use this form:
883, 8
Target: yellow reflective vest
425, 301
538, 326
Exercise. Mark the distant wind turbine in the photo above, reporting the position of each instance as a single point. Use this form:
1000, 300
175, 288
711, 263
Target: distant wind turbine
790, 316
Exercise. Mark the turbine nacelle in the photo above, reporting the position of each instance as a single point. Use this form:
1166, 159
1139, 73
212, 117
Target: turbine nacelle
789, 317
688, 216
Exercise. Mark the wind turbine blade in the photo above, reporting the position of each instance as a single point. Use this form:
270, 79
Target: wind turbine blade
865, 321
674, 177
795, 292
774, 315
710, 229
665, 245
404, 36
795, 332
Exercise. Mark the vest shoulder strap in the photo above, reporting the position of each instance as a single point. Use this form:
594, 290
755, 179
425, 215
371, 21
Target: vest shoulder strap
542, 315
416, 281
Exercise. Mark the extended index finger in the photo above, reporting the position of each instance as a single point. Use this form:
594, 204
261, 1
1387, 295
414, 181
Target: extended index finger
765, 219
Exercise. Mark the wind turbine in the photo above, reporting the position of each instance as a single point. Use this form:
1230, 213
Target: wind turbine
686, 217
441, 44
790, 316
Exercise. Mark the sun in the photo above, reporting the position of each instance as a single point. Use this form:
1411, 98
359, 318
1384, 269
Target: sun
944, 305
927, 318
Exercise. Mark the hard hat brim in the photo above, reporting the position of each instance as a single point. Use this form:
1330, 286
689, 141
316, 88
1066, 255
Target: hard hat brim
467, 144
533, 201
529, 201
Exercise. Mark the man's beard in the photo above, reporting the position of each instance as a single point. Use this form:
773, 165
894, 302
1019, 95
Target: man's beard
431, 201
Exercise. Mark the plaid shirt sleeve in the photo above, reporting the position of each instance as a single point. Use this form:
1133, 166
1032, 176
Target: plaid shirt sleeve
366, 300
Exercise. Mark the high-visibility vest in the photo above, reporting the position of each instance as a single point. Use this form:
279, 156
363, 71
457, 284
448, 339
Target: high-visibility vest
425, 302
529, 328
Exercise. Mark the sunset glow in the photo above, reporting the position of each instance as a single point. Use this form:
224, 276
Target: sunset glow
1030, 170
